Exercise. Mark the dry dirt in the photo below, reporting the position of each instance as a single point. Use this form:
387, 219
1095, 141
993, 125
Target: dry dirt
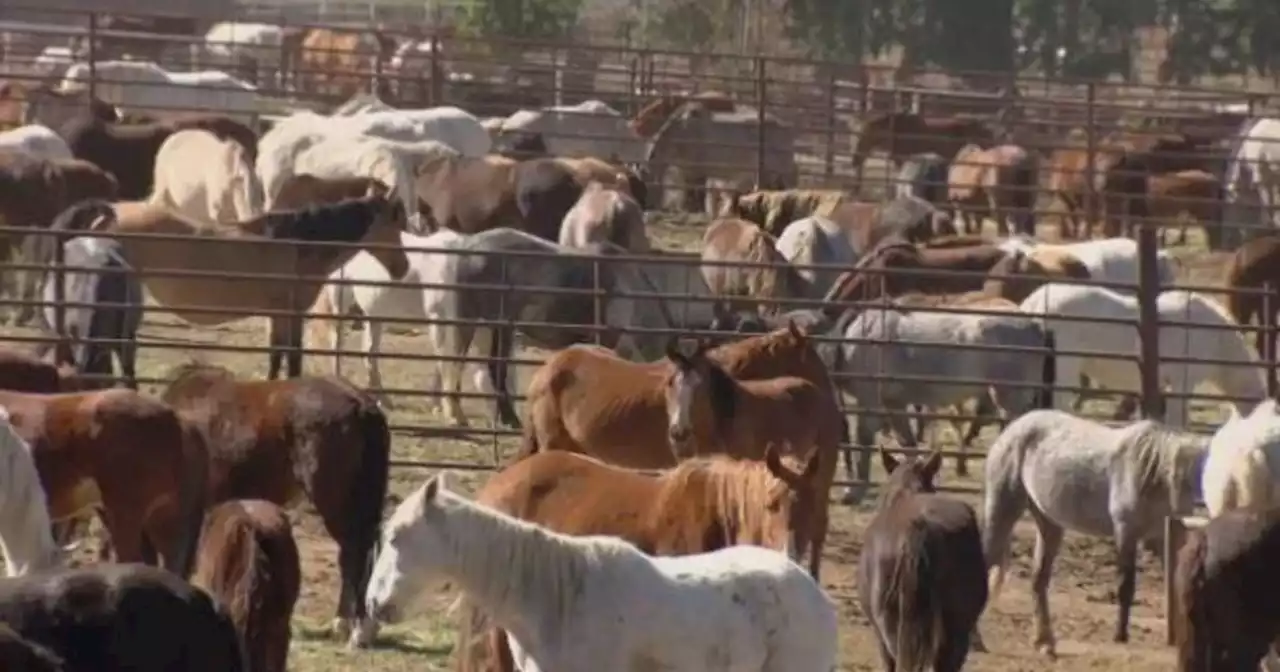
1083, 589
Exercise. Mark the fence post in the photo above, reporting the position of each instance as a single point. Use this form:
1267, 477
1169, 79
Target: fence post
762, 102
435, 91
1091, 153
1267, 337
93, 59
1149, 323
830, 158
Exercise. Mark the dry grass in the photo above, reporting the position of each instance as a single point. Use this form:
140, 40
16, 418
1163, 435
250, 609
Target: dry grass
1084, 584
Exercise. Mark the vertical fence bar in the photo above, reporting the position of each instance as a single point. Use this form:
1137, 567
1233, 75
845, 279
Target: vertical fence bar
59, 292
1174, 534
829, 159
1149, 323
762, 101
1267, 337
1091, 154
93, 59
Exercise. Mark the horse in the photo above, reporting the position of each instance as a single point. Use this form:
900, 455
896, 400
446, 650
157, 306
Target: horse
25, 538
1227, 618
604, 215
878, 274
1251, 184
924, 176
205, 179
1110, 260
1239, 471
144, 86
248, 561
1024, 271
889, 358
1195, 332
699, 505
764, 284
18, 653
126, 454
907, 217
590, 128
122, 617
1253, 267
817, 248
40, 249
1193, 192
904, 134
106, 307
774, 211
222, 252
36, 141
999, 182
1079, 475
317, 437
920, 573
567, 603
28, 372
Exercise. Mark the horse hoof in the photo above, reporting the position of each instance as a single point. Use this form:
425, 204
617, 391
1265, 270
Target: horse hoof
853, 495
1122, 638
1047, 649
363, 635
341, 628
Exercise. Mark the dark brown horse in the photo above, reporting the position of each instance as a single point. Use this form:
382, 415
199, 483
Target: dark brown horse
18, 653
1227, 616
700, 505
903, 134
1254, 266
249, 562
121, 617
922, 579
315, 437
127, 454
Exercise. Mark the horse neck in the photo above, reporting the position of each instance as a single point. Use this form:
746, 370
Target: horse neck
733, 502
521, 574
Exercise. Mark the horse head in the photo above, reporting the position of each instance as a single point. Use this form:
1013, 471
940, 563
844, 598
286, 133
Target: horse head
793, 503
910, 474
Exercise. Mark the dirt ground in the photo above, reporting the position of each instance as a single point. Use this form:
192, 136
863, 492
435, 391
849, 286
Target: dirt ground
1083, 589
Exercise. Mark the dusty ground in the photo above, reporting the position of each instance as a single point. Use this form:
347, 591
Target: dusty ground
1083, 588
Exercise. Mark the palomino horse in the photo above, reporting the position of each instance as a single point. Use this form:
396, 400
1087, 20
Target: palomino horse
586, 400
920, 575
221, 252
568, 603
1076, 474
249, 562
1225, 582
699, 506
130, 455
320, 438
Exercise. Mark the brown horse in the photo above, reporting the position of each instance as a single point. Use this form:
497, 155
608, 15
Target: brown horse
249, 562
221, 252
700, 505
336, 63
25, 372
586, 400
744, 287
1254, 266
130, 456
317, 437
903, 134
650, 119
1191, 192
999, 183
1227, 619
922, 577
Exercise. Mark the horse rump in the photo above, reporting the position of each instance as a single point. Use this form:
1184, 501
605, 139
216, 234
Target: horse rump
920, 625
1191, 620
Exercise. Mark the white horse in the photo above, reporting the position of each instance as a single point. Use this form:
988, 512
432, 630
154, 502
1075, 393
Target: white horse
1253, 180
143, 86
229, 42
206, 178
1237, 371
818, 248
1243, 467
36, 141
26, 537
590, 128
583, 604
1108, 259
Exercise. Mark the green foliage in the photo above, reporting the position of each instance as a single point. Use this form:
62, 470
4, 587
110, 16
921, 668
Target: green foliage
527, 19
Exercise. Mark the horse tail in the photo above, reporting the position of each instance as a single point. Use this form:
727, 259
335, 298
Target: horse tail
1191, 620
194, 495
1048, 371
920, 627
368, 494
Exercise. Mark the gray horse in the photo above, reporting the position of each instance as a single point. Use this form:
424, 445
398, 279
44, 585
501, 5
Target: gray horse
1076, 474
890, 357
106, 307
514, 280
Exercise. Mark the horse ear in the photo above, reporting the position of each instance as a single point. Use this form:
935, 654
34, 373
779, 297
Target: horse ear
890, 462
431, 491
773, 462
932, 465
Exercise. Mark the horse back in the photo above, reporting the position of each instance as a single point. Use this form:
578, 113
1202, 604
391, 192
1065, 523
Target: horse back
23, 372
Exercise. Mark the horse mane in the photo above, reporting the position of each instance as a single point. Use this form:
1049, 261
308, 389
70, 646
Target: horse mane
1165, 457
734, 491
345, 221
723, 390
194, 378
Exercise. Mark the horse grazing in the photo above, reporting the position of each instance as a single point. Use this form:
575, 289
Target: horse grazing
999, 182
903, 134
920, 575
321, 438
25, 538
568, 603
1080, 475
249, 562
1238, 473
1225, 579
586, 400
124, 453
700, 505
222, 252
122, 617
736, 240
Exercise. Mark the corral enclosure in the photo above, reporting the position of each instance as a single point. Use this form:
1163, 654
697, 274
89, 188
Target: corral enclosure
821, 108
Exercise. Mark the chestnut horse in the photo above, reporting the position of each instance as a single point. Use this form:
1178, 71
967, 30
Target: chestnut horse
249, 562
1254, 266
587, 400
129, 455
701, 505
318, 437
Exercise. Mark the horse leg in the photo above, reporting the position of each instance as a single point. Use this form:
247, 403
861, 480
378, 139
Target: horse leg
351, 622
294, 353
127, 353
276, 339
1127, 545
456, 344
500, 350
1048, 543
986, 408
371, 342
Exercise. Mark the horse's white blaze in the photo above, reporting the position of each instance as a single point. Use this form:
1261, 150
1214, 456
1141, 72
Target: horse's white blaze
597, 603
680, 414
1243, 467
26, 539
